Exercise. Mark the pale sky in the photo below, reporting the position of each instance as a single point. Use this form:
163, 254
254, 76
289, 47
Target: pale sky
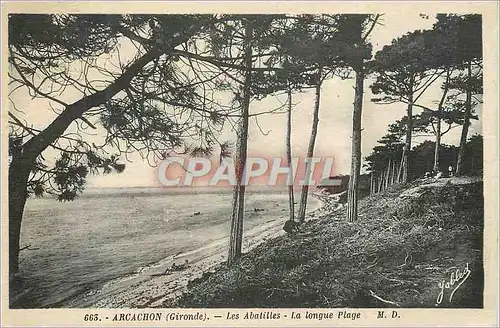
333, 139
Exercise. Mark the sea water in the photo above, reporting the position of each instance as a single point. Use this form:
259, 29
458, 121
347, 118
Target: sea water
109, 233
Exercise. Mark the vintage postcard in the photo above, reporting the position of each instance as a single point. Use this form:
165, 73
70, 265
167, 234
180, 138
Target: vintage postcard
249, 163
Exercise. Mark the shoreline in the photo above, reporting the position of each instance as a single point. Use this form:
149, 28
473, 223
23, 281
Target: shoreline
156, 284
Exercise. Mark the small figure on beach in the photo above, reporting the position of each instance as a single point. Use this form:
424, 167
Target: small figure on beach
183, 266
174, 268
179, 267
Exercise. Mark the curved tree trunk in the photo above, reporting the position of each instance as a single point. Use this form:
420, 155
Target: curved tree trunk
19, 171
20, 168
310, 152
352, 194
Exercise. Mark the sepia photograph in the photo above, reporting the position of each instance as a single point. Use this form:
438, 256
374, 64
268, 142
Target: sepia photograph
258, 162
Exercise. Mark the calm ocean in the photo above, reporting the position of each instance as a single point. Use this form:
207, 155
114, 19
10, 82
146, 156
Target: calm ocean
109, 233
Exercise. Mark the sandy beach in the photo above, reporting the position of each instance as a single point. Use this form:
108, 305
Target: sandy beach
158, 284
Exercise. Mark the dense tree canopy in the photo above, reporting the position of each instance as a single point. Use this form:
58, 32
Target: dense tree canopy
157, 85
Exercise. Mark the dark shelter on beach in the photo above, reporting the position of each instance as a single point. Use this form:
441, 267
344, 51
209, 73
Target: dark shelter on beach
335, 184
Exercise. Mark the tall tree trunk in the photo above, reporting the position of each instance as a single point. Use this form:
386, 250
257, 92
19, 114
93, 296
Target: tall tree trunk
382, 179
371, 183
391, 170
310, 150
352, 194
19, 171
465, 127
438, 142
439, 115
388, 176
291, 198
394, 172
233, 253
236, 236
406, 165
401, 166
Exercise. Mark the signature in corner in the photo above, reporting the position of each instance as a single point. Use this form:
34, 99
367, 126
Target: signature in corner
457, 278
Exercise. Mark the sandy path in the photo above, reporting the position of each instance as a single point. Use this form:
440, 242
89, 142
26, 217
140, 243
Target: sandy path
151, 287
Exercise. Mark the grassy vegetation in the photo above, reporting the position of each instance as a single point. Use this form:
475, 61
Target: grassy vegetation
396, 254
